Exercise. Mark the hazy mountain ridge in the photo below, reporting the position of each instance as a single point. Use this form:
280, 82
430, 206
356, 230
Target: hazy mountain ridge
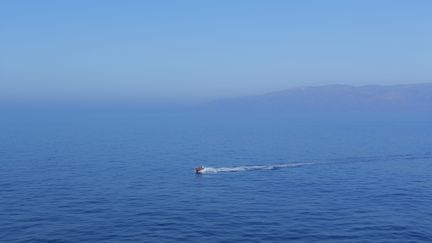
406, 97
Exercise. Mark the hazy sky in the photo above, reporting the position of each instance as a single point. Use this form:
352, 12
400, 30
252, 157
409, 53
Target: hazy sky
159, 50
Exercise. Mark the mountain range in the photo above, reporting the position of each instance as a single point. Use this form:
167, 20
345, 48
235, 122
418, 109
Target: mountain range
334, 98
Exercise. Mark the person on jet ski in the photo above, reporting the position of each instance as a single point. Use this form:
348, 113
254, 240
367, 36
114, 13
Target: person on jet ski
199, 169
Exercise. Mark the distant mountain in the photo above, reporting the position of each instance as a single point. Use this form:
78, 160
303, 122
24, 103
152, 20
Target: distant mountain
329, 98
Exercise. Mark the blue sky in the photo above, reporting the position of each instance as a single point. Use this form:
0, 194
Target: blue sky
186, 50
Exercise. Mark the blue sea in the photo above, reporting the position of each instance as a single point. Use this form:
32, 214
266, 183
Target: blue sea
127, 176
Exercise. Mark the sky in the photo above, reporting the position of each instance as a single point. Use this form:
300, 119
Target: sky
196, 50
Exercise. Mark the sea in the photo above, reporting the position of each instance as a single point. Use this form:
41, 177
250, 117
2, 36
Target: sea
128, 176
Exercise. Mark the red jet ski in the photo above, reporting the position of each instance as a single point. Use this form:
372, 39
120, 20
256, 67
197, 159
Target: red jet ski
199, 169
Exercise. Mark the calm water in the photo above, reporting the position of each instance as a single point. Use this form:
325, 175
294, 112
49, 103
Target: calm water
119, 177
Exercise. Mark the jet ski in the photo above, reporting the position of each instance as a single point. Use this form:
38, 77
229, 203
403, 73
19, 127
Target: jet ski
199, 169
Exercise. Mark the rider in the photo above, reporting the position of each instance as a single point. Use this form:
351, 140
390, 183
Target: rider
199, 169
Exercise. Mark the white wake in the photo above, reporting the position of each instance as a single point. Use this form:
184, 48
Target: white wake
252, 167
391, 157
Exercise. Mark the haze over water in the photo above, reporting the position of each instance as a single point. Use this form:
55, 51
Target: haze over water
164, 51
312, 121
